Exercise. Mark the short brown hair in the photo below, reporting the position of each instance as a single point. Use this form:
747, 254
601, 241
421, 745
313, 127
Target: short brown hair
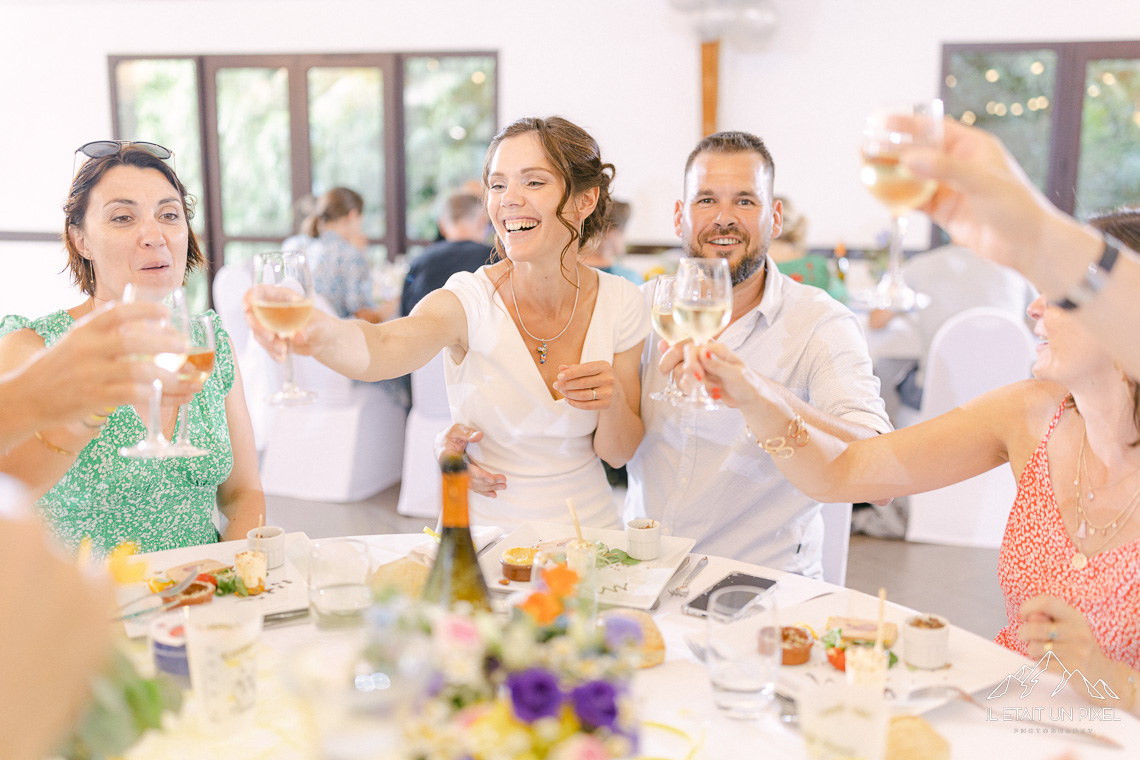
733, 142
576, 158
79, 196
461, 206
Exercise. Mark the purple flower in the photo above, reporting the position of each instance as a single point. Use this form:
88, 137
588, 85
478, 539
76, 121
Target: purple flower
534, 694
621, 631
595, 703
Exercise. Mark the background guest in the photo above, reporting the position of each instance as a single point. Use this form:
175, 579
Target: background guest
127, 221
342, 273
792, 257
611, 245
463, 225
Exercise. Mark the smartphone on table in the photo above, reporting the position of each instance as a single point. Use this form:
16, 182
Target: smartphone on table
761, 586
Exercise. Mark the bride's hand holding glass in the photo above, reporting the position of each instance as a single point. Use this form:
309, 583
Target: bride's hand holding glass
281, 304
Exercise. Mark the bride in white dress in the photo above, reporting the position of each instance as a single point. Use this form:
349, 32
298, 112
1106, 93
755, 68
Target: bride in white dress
542, 351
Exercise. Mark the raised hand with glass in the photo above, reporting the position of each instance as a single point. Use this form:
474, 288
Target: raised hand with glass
666, 325
887, 132
702, 307
155, 445
283, 304
199, 364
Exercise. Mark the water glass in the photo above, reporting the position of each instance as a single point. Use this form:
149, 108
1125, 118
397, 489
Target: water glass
743, 657
221, 644
339, 573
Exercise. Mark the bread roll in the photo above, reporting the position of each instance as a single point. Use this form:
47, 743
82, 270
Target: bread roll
912, 738
652, 644
405, 575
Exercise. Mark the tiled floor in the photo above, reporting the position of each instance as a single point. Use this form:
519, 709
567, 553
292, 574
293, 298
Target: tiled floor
960, 584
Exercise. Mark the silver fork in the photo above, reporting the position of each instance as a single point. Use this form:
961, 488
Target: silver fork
683, 589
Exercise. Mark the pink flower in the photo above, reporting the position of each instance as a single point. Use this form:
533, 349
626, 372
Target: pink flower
459, 632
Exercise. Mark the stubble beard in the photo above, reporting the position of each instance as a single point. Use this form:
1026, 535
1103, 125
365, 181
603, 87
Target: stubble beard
739, 271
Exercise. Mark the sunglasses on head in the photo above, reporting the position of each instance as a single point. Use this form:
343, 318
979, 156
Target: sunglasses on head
102, 148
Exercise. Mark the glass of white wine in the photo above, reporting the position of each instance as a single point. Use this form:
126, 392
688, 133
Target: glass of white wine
886, 133
666, 326
283, 304
199, 364
702, 307
155, 445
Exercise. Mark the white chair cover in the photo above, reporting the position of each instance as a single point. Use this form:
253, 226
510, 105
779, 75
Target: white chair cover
972, 353
420, 491
836, 542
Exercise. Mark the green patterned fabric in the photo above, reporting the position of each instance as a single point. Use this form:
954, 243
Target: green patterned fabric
157, 503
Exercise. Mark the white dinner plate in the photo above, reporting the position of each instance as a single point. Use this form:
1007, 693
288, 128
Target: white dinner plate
975, 663
286, 589
636, 586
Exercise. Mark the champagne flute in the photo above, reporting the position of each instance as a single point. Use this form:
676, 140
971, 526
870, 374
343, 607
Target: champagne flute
886, 133
666, 326
702, 306
283, 304
199, 364
154, 445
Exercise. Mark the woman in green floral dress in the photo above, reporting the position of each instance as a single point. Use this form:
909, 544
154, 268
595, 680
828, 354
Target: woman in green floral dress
127, 221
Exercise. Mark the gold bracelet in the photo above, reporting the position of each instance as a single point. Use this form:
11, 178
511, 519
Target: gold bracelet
53, 448
95, 421
778, 447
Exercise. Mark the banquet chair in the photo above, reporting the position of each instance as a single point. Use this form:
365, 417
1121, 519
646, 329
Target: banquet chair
836, 541
346, 446
972, 353
420, 490
230, 284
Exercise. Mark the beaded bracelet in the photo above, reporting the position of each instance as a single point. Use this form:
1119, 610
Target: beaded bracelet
53, 448
1095, 277
778, 447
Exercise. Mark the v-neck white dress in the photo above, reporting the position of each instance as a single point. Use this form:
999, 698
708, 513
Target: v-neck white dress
545, 448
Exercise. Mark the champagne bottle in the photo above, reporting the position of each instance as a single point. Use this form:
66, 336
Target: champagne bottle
455, 576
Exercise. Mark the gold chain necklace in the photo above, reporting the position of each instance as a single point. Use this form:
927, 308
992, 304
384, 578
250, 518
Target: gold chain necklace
543, 341
1086, 527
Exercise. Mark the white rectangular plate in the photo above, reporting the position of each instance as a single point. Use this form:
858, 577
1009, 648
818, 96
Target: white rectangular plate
975, 662
636, 586
286, 589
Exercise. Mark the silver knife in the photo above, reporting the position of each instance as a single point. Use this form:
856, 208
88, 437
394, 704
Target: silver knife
680, 569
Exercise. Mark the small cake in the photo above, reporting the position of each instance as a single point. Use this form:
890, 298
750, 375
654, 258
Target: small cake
252, 568
797, 645
517, 563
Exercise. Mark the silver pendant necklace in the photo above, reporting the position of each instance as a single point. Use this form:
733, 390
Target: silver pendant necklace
543, 341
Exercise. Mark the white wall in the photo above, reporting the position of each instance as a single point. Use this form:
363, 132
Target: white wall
628, 70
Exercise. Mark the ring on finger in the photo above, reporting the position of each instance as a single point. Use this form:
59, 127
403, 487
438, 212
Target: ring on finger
1052, 632
594, 391
1048, 646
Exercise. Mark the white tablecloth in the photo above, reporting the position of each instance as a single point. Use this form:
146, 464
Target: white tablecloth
677, 693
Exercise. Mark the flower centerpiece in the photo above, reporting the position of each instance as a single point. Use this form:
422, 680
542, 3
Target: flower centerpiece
540, 685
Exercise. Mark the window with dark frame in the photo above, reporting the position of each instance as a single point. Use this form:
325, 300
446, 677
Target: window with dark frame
255, 133
1069, 112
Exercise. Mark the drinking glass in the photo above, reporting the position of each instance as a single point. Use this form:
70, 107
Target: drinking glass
702, 307
283, 304
199, 364
339, 574
666, 326
221, 644
743, 650
886, 133
154, 445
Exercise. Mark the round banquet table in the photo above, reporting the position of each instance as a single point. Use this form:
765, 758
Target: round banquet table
674, 699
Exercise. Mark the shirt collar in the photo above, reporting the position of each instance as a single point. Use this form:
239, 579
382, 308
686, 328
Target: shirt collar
761, 315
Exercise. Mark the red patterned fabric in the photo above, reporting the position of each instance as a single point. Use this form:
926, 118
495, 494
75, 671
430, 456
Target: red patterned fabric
1035, 559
